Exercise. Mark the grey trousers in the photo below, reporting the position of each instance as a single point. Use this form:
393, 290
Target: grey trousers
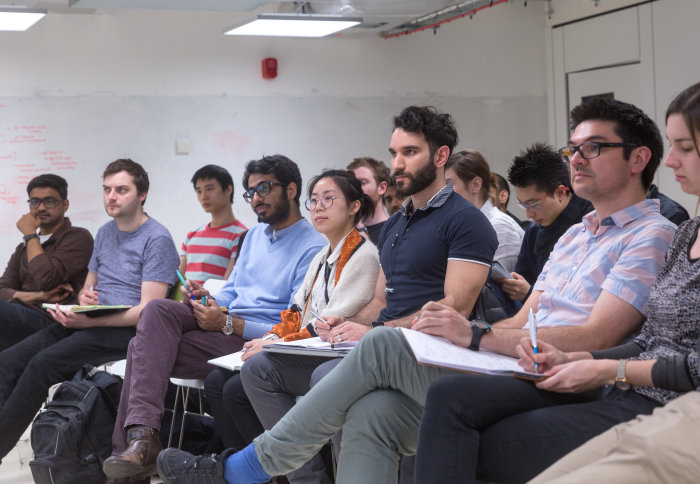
272, 382
375, 396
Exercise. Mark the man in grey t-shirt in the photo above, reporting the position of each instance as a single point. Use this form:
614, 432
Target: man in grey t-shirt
133, 262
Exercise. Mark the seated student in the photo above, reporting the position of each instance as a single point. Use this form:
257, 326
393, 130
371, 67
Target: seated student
391, 200
525, 428
46, 268
543, 186
661, 447
209, 252
376, 393
500, 196
176, 339
340, 281
468, 173
374, 177
134, 261
463, 244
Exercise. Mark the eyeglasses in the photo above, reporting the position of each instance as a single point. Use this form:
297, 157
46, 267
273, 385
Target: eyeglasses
538, 202
49, 202
590, 149
263, 189
326, 202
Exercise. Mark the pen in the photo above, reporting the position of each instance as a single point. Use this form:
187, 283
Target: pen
532, 323
317, 316
182, 280
204, 300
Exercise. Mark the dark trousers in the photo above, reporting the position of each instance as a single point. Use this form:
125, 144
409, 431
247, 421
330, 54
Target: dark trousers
234, 416
502, 429
52, 355
17, 321
168, 342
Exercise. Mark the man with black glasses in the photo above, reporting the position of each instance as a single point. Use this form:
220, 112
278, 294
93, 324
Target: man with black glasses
47, 267
176, 339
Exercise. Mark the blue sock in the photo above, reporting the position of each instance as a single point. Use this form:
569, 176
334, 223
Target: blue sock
244, 468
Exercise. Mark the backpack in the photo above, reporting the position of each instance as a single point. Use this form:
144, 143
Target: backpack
72, 435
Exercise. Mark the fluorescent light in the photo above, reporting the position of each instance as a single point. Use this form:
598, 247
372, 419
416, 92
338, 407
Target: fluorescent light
301, 25
18, 19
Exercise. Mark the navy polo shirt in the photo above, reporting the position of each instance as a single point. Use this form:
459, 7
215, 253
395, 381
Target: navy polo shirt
414, 249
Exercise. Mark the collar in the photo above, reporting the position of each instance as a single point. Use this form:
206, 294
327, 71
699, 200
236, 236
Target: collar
487, 208
61, 228
622, 217
435, 201
333, 258
275, 235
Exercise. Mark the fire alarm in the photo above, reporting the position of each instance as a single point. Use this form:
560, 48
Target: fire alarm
269, 68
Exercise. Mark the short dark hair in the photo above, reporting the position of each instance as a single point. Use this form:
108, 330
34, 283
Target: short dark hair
631, 125
500, 184
351, 188
539, 165
469, 164
134, 169
281, 167
379, 169
687, 104
438, 128
49, 180
214, 172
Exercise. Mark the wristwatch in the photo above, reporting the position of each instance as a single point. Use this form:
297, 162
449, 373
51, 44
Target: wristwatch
227, 328
29, 237
377, 324
621, 380
479, 328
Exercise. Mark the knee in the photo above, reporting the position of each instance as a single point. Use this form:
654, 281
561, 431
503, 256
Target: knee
259, 372
234, 392
323, 370
214, 383
440, 401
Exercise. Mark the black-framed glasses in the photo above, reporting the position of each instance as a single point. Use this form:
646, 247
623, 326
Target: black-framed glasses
590, 149
263, 189
326, 202
49, 202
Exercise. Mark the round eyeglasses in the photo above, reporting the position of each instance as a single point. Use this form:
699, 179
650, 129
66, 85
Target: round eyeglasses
326, 202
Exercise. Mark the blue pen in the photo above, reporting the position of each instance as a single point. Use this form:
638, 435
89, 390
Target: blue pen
204, 300
532, 323
182, 279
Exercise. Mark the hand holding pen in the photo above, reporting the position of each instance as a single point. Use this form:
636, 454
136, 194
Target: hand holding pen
545, 359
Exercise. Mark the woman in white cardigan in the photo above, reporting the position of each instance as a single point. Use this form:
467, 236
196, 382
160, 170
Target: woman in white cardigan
340, 282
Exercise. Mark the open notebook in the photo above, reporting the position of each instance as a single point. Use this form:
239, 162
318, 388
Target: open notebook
435, 351
94, 310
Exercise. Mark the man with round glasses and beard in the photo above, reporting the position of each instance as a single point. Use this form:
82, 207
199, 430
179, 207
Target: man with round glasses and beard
47, 267
177, 339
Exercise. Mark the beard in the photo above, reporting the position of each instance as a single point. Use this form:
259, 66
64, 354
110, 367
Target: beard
416, 182
279, 213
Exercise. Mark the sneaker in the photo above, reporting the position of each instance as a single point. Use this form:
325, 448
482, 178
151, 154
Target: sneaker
179, 467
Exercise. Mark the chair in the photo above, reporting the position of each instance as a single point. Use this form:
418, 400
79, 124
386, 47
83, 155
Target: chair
182, 395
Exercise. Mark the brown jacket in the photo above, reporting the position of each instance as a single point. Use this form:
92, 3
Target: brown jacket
65, 259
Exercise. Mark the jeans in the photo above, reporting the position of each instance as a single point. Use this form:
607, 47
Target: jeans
502, 429
52, 355
17, 321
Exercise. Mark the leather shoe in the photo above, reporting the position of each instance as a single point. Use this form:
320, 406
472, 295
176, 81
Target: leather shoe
139, 459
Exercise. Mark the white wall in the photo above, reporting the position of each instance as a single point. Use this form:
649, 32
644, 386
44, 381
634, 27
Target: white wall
126, 83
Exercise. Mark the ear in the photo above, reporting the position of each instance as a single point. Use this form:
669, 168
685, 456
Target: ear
142, 197
355, 207
66, 204
476, 184
381, 188
639, 159
502, 197
228, 191
291, 190
441, 156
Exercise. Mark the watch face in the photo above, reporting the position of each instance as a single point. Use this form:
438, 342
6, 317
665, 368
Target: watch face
622, 385
481, 324
227, 330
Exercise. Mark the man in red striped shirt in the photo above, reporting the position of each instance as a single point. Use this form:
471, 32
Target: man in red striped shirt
210, 251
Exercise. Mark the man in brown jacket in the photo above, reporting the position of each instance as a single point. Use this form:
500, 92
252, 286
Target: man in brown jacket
48, 266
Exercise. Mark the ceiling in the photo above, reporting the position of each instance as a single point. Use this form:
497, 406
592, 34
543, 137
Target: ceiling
381, 17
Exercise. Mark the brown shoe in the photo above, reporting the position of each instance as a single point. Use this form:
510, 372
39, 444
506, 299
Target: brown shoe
139, 459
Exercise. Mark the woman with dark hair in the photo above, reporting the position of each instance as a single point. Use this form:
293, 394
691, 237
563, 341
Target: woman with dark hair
469, 174
340, 281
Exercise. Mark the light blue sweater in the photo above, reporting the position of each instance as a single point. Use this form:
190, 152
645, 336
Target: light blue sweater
267, 274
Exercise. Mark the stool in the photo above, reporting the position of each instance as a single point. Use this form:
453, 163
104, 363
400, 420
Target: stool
182, 392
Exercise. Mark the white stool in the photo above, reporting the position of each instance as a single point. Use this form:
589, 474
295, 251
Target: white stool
182, 393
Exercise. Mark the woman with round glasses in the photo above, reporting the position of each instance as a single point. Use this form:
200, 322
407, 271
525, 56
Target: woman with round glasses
340, 282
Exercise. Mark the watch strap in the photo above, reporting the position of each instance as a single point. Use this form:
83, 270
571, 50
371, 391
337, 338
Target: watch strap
29, 237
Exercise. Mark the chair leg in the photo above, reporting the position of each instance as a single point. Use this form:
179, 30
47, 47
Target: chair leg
185, 400
172, 421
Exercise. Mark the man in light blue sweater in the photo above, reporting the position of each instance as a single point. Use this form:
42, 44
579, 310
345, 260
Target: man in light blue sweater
176, 339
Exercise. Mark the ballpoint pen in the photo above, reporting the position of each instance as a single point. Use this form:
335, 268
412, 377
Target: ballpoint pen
532, 323
182, 280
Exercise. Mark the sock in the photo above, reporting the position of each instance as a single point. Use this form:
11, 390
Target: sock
244, 468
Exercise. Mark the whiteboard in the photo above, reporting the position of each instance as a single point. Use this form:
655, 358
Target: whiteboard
76, 137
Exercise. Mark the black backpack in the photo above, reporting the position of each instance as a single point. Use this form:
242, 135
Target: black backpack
72, 435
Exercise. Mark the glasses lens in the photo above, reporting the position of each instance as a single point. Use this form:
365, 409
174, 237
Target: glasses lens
310, 204
589, 150
566, 153
248, 195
